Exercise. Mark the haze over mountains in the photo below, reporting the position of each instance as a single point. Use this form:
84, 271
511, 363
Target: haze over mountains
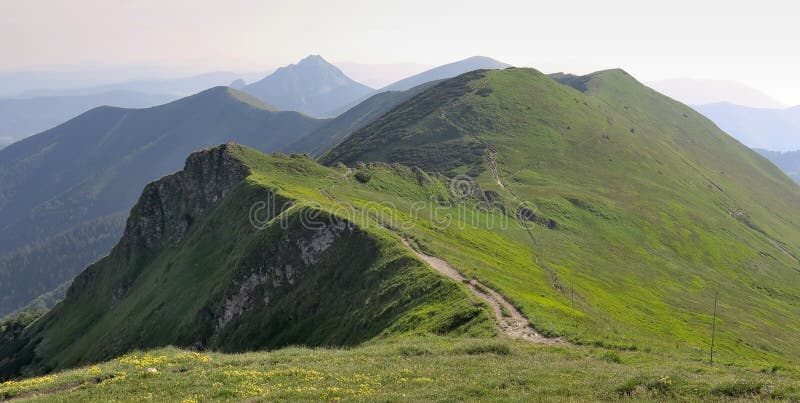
107, 154
447, 71
22, 117
628, 211
700, 92
437, 73
770, 129
787, 161
312, 86
28, 246
380, 75
31, 107
752, 117
349, 201
66, 187
22, 85
36, 101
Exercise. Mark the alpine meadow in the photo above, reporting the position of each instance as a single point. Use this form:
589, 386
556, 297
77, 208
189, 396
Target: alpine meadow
473, 230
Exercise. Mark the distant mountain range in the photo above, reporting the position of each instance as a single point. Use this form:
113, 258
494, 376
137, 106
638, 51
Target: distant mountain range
178, 87
29, 110
701, 92
380, 75
20, 118
353, 119
771, 129
105, 155
748, 115
628, 214
787, 161
64, 189
313, 86
447, 71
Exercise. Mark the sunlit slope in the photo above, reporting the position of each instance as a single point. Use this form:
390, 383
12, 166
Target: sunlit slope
200, 267
643, 209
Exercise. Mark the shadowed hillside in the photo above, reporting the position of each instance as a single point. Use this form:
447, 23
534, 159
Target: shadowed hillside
91, 170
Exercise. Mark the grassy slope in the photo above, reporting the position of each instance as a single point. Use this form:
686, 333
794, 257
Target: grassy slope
366, 285
656, 208
404, 364
360, 115
409, 369
644, 237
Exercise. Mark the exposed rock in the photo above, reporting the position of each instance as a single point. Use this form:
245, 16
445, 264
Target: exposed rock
279, 267
526, 214
168, 207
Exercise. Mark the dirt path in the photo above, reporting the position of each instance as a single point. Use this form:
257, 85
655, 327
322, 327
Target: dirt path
511, 321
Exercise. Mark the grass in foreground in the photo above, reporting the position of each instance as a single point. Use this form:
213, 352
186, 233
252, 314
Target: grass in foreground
415, 369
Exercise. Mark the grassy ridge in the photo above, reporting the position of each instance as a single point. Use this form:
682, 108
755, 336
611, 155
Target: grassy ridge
147, 293
638, 211
655, 209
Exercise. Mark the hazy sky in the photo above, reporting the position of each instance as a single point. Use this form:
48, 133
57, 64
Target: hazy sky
751, 42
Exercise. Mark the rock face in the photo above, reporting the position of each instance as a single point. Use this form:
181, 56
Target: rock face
168, 206
278, 267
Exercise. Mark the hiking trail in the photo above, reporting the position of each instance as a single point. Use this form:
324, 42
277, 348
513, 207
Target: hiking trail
510, 319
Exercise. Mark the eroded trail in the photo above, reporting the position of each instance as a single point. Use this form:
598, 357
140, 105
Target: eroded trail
511, 321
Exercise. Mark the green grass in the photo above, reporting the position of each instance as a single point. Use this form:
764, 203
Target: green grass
169, 289
651, 222
407, 369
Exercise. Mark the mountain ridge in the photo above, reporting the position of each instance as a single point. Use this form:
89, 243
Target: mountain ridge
765, 128
103, 158
607, 163
268, 289
20, 118
431, 75
604, 212
699, 92
448, 70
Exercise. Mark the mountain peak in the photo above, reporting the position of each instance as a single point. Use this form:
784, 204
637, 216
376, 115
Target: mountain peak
317, 59
220, 95
312, 86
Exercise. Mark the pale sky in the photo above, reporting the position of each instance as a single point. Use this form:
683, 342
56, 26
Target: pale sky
751, 42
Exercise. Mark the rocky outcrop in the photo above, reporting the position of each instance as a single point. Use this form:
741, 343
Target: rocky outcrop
168, 207
281, 265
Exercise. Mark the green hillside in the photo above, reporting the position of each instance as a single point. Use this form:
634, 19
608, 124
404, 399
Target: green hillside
192, 270
366, 112
640, 210
63, 191
609, 215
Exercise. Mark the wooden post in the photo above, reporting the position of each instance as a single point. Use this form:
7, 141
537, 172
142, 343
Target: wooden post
714, 327
572, 295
